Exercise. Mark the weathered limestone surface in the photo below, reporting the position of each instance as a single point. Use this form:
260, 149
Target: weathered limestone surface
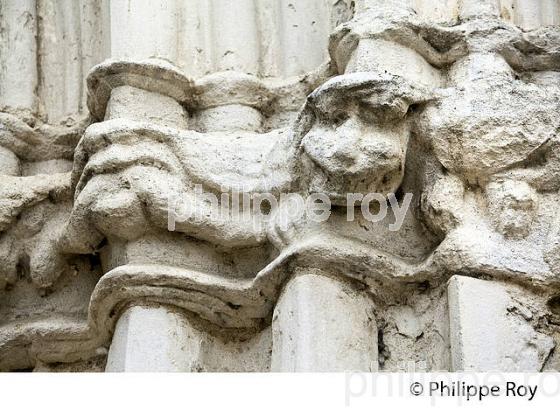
152, 339
124, 123
491, 331
159, 339
320, 324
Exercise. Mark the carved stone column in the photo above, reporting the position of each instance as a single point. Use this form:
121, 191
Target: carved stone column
153, 339
322, 324
19, 56
491, 331
144, 29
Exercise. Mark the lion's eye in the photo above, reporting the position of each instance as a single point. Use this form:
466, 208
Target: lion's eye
339, 117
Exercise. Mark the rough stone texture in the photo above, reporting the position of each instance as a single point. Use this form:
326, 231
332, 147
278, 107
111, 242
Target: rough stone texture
112, 110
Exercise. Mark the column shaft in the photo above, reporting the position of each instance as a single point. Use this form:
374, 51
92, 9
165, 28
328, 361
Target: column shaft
153, 339
322, 324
